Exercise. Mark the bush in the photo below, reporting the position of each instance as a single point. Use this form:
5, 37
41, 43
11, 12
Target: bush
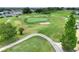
7, 31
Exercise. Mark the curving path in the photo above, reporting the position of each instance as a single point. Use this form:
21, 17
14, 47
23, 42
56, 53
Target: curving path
77, 45
57, 46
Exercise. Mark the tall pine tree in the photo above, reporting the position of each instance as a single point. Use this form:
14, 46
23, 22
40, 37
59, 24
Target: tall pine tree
69, 37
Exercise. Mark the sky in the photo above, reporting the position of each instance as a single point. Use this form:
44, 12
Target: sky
39, 3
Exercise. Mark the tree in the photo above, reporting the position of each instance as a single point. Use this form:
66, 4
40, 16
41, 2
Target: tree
7, 31
27, 10
39, 10
21, 31
69, 37
43, 10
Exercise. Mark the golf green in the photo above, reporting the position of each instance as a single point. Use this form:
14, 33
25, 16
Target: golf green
36, 20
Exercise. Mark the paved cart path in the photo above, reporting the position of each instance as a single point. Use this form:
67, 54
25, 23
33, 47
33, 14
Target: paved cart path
55, 45
77, 45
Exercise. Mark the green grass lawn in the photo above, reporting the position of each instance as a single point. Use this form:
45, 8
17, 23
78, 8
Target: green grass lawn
56, 27
34, 44
54, 30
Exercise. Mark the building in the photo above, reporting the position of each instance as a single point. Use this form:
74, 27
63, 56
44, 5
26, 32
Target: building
11, 12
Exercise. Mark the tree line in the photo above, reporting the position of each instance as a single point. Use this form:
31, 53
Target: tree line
40, 10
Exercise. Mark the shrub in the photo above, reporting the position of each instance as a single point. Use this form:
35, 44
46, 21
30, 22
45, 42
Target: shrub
7, 31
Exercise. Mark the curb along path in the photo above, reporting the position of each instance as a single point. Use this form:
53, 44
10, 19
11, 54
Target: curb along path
55, 45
